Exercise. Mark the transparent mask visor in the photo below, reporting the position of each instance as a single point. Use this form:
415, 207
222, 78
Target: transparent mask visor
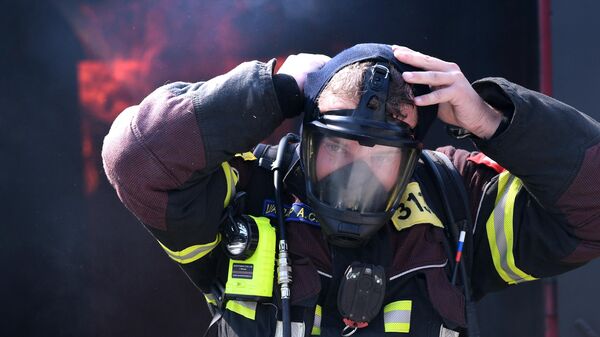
347, 175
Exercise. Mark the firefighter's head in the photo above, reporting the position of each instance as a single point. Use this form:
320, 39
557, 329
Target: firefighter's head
359, 143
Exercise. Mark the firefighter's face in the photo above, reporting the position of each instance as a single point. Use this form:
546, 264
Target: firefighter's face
335, 153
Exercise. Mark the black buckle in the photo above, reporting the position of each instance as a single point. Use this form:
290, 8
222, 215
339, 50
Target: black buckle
379, 73
381, 69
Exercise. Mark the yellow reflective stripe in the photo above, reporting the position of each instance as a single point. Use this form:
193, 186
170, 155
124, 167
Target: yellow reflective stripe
210, 299
396, 316
398, 305
231, 177
246, 156
193, 253
397, 327
316, 329
499, 228
318, 310
508, 228
244, 308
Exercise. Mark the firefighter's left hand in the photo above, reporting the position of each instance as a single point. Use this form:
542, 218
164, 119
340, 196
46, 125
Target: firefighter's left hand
459, 104
300, 65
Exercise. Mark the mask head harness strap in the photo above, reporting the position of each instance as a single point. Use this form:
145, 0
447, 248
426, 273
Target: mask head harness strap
380, 53
376, 87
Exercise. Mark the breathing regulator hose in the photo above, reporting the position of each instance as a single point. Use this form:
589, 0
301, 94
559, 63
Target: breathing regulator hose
284, 269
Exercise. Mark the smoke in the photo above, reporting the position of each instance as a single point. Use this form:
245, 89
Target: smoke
132, 47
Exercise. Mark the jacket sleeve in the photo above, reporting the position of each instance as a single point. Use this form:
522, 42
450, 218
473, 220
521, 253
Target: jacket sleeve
537, 205
167, 158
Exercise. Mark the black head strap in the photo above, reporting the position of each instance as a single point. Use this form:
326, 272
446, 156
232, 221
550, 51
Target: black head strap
316, 81
376, 86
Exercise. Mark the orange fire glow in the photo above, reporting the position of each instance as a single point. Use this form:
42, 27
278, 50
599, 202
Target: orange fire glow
106, 87
143, 46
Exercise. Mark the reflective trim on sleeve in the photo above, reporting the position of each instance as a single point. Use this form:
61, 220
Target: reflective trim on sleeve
500, 230
396, 316
210, 299
316, 329
231, 177
193, 253
244, 308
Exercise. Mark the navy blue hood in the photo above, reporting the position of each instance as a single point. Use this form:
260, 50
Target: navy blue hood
316, 82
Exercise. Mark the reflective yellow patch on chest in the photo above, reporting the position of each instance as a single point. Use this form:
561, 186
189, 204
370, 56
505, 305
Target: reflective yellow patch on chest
413, 210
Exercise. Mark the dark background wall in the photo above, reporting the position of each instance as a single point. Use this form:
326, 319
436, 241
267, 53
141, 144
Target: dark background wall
576, 70
42, 245
74, 261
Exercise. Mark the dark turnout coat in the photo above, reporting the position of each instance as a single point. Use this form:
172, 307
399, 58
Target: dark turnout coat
532, 189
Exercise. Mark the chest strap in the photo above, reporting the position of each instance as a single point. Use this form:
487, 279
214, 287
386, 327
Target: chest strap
297, 212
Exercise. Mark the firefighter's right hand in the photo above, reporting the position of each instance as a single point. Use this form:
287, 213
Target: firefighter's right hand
298, 66
458, 103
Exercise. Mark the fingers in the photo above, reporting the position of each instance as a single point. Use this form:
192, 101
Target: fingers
419, 60
438, 96
447, 82
432, 78
316, 60
300, 65
317, 57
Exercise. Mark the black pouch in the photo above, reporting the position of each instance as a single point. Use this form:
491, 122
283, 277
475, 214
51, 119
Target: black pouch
361, 293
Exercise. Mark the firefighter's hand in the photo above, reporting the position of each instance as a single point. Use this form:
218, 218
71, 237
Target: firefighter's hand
458, 103
298, 66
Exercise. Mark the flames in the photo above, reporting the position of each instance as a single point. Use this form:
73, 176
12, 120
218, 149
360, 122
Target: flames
105, 89
134, 47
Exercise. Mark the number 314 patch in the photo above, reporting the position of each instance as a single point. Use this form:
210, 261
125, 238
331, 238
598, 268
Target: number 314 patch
413, 210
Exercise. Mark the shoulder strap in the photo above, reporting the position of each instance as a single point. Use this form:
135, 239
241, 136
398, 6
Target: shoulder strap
458, 215
452, 192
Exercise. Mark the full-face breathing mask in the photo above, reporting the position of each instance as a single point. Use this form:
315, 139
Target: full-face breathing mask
358, 161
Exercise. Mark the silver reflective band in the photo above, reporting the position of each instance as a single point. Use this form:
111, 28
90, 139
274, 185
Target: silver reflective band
396, 316
193, 253
500, 230
297, 329
501, 234
316, 329
418, 268
447, 332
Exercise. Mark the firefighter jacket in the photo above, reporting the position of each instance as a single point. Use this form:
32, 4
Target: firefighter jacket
172, 160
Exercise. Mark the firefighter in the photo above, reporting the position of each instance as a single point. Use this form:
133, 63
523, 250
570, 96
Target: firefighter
365, 223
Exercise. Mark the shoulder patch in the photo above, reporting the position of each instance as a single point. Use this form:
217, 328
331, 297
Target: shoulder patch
413, 210
482, 159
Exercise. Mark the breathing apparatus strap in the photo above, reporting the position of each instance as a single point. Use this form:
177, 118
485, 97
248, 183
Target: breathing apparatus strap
458, 224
